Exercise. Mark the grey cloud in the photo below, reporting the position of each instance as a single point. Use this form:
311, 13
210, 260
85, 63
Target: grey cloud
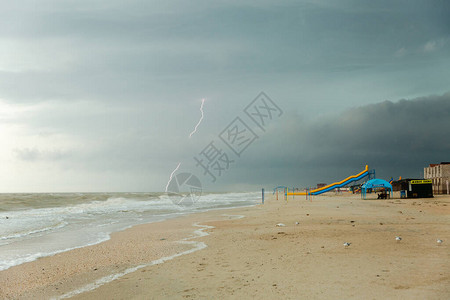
395, 138
35, 155
130, 51
121, 83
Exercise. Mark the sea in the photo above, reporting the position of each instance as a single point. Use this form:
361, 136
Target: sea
38, 225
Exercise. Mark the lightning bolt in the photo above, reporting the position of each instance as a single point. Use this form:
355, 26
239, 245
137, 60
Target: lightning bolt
199, 121
171, 175
190, 135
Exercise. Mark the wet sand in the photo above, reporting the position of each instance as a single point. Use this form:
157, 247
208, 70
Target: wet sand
253, 258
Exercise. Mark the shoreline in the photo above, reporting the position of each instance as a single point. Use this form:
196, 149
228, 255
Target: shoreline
69, 273
251, 257
186, 241
107, 279
62, 230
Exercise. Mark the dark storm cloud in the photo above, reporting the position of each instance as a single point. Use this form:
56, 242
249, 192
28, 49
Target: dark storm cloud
394, 138
114, 87
133, 51
410, 133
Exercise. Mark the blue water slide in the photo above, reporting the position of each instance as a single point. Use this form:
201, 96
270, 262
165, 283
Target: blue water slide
344, 183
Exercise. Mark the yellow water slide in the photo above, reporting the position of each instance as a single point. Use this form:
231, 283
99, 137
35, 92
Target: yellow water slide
334, 185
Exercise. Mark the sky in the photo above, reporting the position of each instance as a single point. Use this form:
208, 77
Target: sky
100, 96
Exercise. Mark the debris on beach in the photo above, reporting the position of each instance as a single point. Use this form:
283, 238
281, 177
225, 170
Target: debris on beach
280, 225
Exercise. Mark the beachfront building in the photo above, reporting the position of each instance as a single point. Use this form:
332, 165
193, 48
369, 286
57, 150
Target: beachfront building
440, 177
321, 185
413, 188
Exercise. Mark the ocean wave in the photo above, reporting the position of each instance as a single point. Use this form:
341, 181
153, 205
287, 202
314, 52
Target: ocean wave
90, 218
24, 233
18, 260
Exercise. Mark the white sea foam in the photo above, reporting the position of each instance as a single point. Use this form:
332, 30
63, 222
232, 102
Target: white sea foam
45, 224
234, 216
23, 231
104, 280
17, 259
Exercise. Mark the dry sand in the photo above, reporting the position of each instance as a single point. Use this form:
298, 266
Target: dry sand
253, 258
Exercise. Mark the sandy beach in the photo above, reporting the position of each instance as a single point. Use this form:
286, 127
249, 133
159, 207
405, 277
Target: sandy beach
247, 256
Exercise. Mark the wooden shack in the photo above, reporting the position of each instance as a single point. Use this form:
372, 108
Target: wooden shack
414, 188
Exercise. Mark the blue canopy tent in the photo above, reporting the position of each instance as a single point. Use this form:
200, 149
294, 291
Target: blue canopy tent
375, 184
